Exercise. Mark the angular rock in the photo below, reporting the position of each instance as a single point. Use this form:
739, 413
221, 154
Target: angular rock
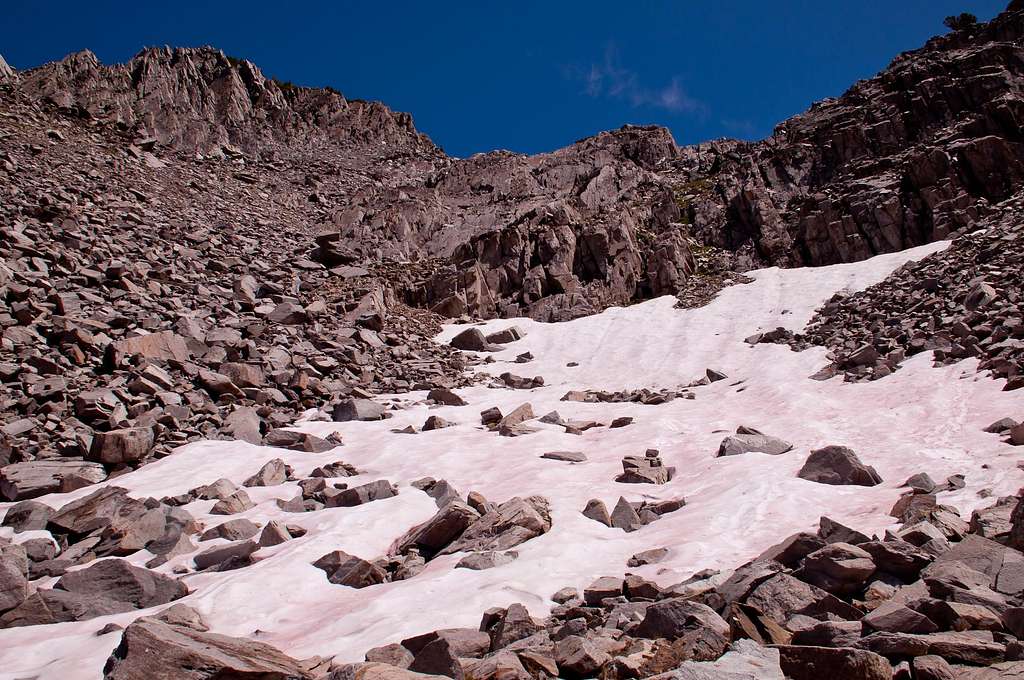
837, 465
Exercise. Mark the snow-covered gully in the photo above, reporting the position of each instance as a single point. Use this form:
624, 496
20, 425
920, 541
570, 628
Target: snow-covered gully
920, 419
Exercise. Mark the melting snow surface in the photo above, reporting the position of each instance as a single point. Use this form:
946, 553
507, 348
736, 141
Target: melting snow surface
919, 419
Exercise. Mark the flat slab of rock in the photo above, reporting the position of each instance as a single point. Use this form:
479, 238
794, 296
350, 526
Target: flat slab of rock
31, 479
737, 444
566, 456
486, 560
156, 650
506, 335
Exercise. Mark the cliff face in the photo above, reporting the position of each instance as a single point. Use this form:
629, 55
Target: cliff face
903, 158
909, 156
199, 98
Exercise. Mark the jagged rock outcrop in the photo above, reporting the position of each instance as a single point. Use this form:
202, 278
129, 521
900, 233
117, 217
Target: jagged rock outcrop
201, 99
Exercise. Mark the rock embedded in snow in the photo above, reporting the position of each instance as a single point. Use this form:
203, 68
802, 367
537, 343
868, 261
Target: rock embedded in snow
479, 561
445, 396
301, 441
748, 442
505, 526
565, 456
435, 423
336, 469
274, 533
516, 417
621, 421
491, 416
232, 530
520, 383
27, 516
359, 495
227, 556
1002, 425
624, 516
598, 511
119, 581
218, 490
473, 340
348, 570
238, 501
921, 483
273, 473
838, 465
506, 335
438, 532
645, 557
715, 376
358, 409
646, 469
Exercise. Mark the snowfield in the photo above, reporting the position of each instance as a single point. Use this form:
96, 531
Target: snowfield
920, 419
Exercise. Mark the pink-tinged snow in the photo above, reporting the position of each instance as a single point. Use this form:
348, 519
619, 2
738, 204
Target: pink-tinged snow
919, 419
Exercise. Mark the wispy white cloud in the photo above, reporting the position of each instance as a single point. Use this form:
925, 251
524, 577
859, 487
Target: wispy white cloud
610, 78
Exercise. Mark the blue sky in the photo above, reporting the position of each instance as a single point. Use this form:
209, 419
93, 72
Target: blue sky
525, 76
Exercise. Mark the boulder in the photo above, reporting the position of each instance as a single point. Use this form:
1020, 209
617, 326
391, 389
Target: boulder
444, 396
839, 568
34, 478
472, 340
838, 465
227, 556
157, 650
674, 617
126, 445
358, 495
438, 532
357, 409
301, 441
273, 473
737, 444
348, 570
27, 516
506, 335
232, 530
505, 526
814, 663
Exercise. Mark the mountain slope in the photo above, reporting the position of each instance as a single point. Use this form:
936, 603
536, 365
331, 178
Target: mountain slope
912, 155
